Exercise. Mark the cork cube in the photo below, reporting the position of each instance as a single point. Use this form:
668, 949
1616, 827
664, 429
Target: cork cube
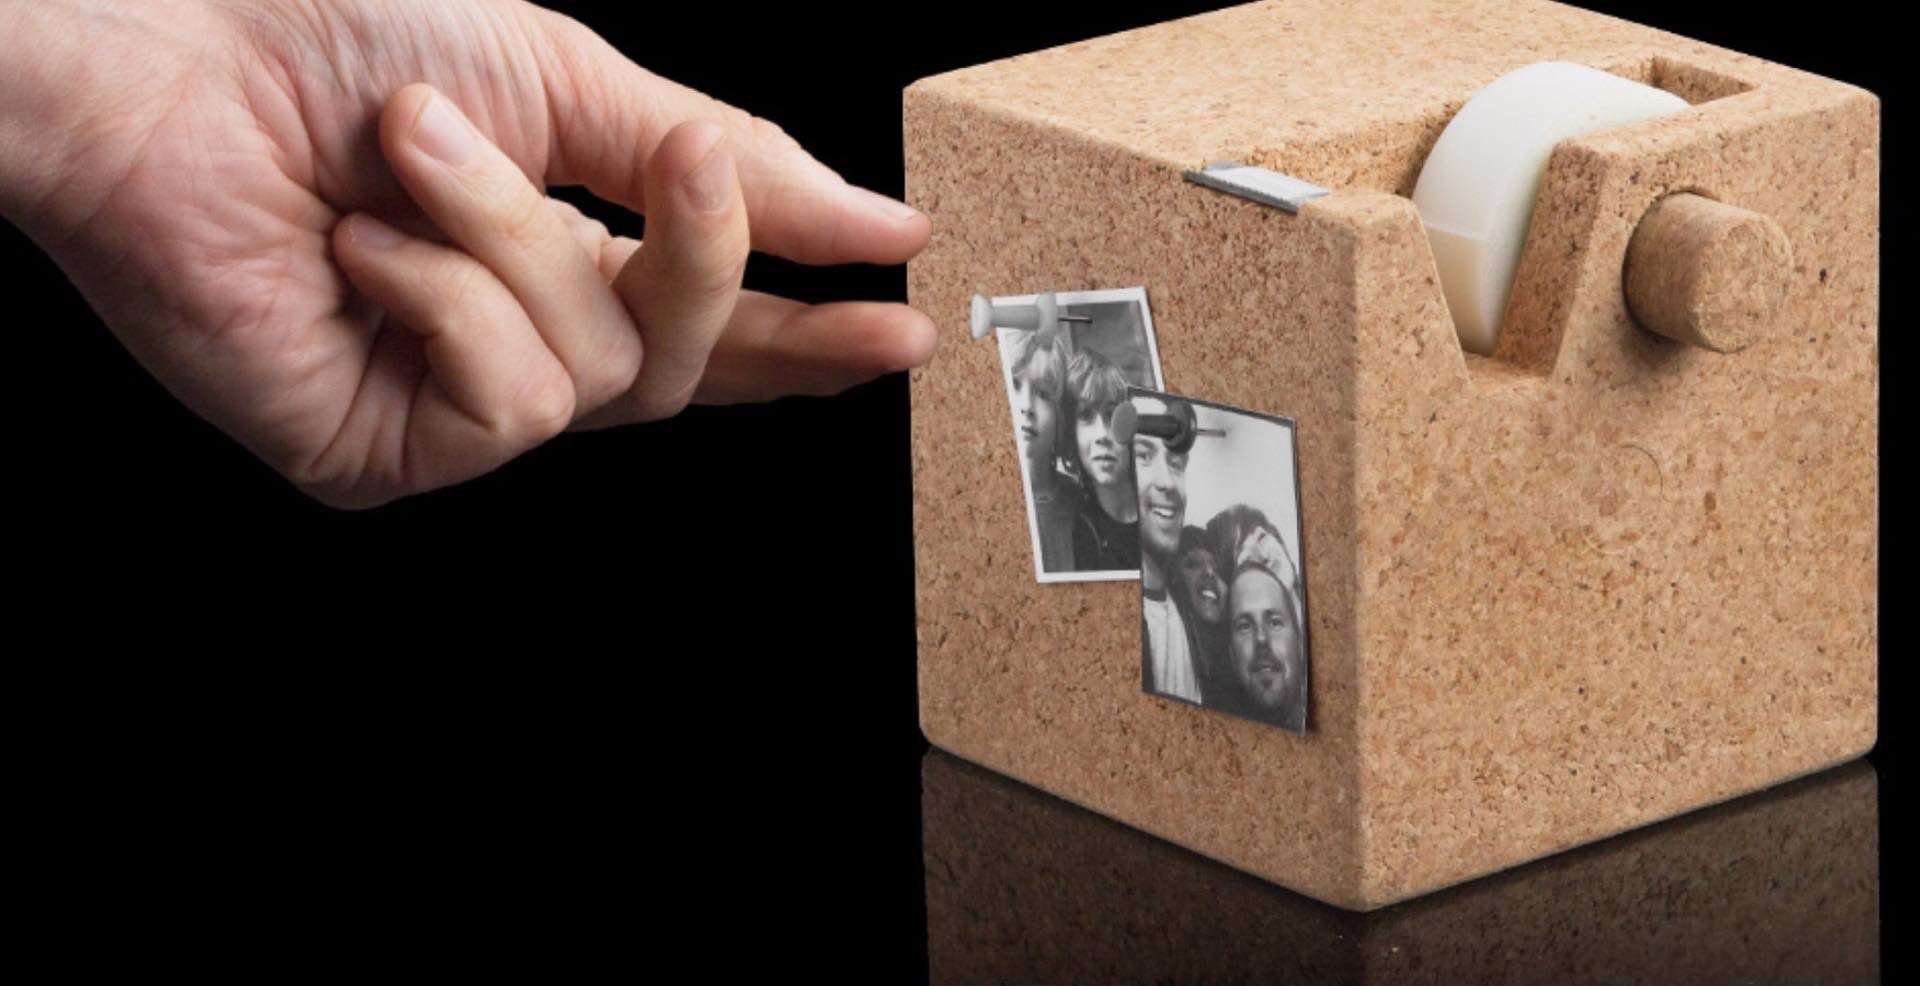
1595, 579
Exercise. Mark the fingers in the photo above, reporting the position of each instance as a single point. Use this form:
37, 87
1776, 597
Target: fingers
590, 233
682, 283
495, 389
488, 208
775, 347
609, 115
611, 253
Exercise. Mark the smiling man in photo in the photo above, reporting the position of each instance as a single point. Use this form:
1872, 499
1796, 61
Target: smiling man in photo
1162, 436
1267, 647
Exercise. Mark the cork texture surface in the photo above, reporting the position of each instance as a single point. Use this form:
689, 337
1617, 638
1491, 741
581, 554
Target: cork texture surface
1591, 581
1707, 273
1780, 887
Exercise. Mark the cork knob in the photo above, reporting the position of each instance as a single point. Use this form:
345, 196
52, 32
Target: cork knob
1707, 273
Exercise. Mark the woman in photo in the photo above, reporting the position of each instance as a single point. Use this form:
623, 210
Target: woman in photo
1039, 380
1243, 533
1203, 595
1106, 535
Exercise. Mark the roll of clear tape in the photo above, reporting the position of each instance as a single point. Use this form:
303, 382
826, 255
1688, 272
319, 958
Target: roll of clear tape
1477, 187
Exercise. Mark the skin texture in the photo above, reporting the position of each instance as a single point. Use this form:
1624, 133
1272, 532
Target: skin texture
1037, 415
1099, 456
1097, 389
1105, 464
1201, 582
1162, 488
255, 198
1265, 638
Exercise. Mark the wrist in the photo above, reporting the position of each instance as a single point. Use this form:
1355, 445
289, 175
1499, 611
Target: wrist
32, 143
75, 77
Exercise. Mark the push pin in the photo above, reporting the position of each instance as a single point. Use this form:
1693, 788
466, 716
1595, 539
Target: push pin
1040, 315
1177, 427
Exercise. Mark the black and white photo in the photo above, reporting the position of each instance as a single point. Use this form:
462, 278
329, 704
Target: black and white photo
1064, 379
1223, 604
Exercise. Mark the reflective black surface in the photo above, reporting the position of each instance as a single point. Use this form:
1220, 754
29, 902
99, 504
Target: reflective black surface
1781, 887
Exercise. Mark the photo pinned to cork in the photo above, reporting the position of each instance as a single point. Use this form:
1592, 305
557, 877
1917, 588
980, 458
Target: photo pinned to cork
1068, 360
1223, 606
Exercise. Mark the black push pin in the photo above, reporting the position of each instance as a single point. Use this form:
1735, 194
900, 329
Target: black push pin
1177, 426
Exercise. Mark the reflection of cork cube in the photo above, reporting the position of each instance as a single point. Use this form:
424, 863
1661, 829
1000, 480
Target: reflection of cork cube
1593, 580
1781, 887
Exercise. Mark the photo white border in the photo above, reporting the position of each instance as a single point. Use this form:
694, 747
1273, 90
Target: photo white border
1065, 298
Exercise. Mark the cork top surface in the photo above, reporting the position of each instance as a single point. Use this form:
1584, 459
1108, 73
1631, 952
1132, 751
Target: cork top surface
1245, 82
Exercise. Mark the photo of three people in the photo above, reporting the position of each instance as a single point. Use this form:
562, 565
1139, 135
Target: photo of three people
1223, 607
1119, 475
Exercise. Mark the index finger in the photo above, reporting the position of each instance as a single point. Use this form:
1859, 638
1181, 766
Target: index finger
609, 115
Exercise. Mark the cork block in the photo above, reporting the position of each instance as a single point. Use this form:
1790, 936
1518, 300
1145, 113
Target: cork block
1602, 576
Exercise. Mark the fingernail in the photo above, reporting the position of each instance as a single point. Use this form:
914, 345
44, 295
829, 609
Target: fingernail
894, 209
367, 231
443, 133
710, 185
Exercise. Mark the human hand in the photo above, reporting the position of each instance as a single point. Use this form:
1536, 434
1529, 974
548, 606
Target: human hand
249, 195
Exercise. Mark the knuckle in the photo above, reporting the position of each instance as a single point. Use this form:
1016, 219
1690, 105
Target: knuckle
547, 407
660, 407
574, 42
463, 292
594, 237
329, 481
716, 278
521, 219
589, 233
624, 358
766, 134
767, 139
613, 369
717, 266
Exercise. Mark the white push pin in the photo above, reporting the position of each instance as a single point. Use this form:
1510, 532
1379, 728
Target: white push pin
1042, 315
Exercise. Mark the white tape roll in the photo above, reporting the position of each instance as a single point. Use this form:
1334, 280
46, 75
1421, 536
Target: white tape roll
1477, 187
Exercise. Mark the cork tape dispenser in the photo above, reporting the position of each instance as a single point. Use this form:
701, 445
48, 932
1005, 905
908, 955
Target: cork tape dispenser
1572, 325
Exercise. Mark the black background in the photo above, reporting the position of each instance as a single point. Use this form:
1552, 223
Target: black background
651, 687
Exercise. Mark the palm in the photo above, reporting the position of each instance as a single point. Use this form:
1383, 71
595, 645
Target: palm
224, 216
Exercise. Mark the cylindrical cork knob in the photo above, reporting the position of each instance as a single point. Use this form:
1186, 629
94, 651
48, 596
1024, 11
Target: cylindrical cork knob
1707, 273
